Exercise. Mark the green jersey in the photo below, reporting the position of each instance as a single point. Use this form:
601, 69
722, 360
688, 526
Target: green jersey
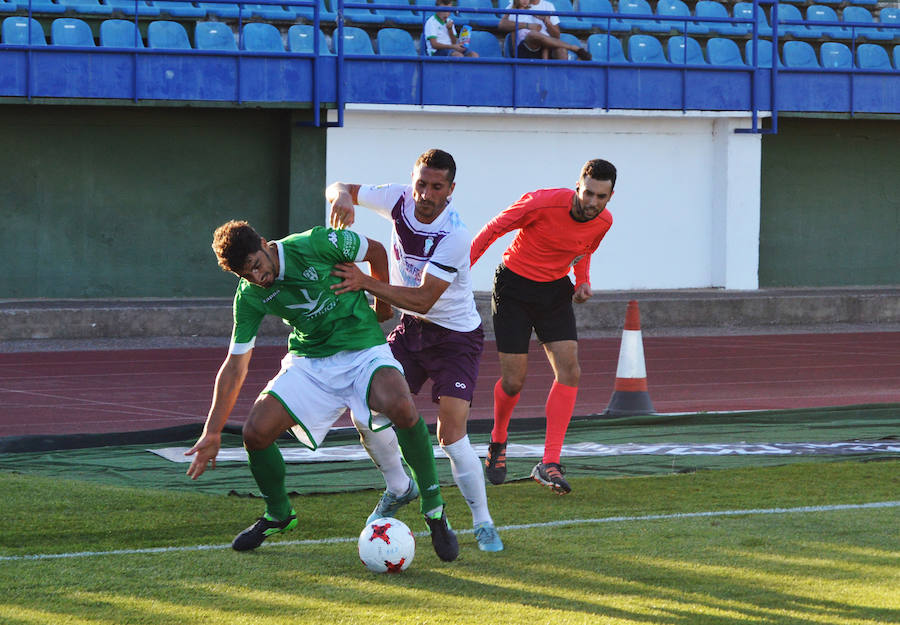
323, 323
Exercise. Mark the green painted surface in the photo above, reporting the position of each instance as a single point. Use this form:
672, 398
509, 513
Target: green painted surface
113, 202
830, 204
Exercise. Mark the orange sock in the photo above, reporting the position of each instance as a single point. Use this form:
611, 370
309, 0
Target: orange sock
559, 407
503, 407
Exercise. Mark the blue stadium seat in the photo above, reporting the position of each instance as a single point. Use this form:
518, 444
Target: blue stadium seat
764, 48
836, 55
70, 31
645, 49
15, 31
600, 23
744, 10
640, 17
483, 20
711, 8
821, 13
872, 56
790, 13
570, 38
8, 7
43, 6
569, 22
128, 7
404, 16
261, 37
178, 8
605, 48
356, 41
861, 15
800, 54
307, 13
724, 52
120, 34
677, 8
890, 15
395, 42
360, 15
868, 2
485, 44
685, 51
167, 35
300, 39
87, 7
271, 12
897, 58
222, 10
213, 36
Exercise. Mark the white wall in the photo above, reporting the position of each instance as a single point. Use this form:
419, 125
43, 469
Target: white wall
686, 207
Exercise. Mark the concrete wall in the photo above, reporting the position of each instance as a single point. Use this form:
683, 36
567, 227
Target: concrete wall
686, 207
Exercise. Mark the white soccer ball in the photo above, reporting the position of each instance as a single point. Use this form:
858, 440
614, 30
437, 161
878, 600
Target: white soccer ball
386, 545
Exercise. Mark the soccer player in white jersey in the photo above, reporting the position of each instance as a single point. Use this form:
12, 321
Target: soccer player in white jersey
439, 335
337, 359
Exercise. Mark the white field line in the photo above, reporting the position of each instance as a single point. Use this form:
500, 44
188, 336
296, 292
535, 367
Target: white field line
528, 526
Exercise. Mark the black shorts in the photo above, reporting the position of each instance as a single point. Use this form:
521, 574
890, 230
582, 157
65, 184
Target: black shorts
520, 305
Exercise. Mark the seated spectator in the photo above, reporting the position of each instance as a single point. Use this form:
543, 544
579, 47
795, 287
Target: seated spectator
440, 34
537, 36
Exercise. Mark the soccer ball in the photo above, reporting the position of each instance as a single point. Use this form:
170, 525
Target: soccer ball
386, 545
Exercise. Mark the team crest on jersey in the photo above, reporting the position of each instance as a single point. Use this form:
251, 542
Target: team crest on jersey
311, 274
428, 243
332, 236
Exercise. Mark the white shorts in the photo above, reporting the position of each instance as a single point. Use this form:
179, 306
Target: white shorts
317, 391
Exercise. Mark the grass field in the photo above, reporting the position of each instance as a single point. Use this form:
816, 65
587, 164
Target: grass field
608, 563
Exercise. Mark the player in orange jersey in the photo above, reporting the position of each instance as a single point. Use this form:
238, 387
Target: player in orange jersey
558, 229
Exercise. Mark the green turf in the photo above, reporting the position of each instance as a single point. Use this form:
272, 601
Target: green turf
831, 567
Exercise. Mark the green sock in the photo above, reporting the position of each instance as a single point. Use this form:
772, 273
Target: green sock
415, 443
267, 467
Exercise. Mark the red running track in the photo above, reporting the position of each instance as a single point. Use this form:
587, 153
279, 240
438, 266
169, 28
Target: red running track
127, 390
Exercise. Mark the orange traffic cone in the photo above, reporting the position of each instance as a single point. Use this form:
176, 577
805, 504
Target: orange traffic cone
630, 396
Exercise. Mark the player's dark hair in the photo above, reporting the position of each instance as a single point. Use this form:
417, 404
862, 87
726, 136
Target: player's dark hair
233, 242
438, 159
598, 169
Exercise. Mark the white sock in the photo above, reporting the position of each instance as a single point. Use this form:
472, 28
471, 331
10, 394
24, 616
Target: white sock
384, 450
469, 476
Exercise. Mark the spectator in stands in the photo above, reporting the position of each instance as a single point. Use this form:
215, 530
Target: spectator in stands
537, 36
440, 34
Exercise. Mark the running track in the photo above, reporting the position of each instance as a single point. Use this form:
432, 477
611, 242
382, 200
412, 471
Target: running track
141, 389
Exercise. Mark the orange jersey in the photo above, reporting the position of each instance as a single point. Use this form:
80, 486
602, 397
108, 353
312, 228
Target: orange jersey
550, 241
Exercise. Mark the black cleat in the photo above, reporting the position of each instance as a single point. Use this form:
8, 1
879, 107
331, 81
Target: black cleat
442, 538
551, 474
265, 526
495, 463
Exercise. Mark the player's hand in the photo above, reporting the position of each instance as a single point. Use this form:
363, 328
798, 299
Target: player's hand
582, 293
352, 278
343, 213
204, 451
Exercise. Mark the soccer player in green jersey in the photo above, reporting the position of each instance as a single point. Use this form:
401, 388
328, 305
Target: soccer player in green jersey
337, 359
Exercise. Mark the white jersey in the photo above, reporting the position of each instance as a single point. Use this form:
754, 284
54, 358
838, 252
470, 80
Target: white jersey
440, 248
524, 19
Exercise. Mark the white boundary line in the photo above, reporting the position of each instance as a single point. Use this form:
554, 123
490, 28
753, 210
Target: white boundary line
613, 519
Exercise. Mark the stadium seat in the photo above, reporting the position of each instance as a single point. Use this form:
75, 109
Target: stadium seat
570, 38
799, 54
711, 8
43, 6
744, 10
872, 56
482, 20
300, 39
356, 41
685, 51
677, 8
213, 36
861, 15
821, 13
897, 58
404, 16
360, 15
128, 7
605, 48
15, 31
569, 22
87, 7
308, 13
645, 49
600, 23
178, 8
640, 17
868, 2
485, 44
764, 48
271, 12
261, 37
790, 13
724, 52
222, 10
836, 55
8, 7
890, 15
395, 42
120, 34
70, 31
167, 35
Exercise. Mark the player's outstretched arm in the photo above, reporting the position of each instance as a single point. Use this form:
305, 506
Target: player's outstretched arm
343, 197
228, 385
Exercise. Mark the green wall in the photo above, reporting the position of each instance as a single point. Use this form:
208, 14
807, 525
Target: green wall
122, 202
830, 203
